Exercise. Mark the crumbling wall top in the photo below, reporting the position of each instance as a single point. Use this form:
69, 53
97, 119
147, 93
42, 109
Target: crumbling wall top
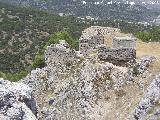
59, 54
124, 42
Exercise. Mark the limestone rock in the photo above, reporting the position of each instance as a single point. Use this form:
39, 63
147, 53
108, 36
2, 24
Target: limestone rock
148, 106
72, 92
144, 63
16, 101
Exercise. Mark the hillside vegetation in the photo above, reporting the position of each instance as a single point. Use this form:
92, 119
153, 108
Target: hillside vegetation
94, 8
24, 31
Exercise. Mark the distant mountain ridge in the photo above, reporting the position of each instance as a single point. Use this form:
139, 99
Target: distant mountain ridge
131, 10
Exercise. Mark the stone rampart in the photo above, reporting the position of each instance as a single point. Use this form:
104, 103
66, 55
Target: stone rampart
60, 54
124, 42
118, 56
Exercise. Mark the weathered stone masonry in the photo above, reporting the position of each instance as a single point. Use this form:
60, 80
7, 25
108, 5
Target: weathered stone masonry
124, 42
122, 51
117, 56
60, 54
88, 43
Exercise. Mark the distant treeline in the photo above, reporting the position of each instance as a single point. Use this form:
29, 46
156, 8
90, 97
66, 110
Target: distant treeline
152, 35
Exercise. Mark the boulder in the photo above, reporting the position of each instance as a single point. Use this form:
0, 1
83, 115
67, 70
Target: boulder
16, 101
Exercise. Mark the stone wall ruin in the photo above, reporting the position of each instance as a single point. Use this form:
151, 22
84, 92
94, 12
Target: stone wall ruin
118, 56
122, 50
60, 54
93, 37
124, 42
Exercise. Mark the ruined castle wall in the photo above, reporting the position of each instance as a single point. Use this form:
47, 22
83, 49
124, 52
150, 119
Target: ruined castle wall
55, 55
88, 44
116, 56
93, 37
124, 42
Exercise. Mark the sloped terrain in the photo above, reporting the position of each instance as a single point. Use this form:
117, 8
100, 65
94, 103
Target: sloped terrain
24, 31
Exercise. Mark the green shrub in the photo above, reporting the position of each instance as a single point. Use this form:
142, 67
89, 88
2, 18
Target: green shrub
144, 36
2, 75
13, 76
151, 35
39, 61
54, 39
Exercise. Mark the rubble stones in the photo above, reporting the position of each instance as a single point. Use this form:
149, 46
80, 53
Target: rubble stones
65, 92
144, 63
74, 90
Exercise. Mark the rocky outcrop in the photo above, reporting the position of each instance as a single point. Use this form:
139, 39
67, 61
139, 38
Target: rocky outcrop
148, 108
73, 91
16, 102
75, 96
74, 87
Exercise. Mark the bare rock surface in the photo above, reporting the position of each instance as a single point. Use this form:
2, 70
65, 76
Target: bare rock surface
148, 107
16, 101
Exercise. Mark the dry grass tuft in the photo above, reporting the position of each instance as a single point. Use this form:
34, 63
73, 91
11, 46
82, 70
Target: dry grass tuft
152, 49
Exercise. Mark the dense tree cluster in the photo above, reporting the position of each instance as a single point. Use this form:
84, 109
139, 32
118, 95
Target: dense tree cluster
151, 35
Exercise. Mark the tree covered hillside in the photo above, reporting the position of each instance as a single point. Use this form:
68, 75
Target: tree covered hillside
102, 9
23, 31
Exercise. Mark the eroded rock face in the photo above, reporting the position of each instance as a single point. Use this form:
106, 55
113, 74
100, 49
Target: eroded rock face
16, 101
85, 89
78, 96
148, 107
